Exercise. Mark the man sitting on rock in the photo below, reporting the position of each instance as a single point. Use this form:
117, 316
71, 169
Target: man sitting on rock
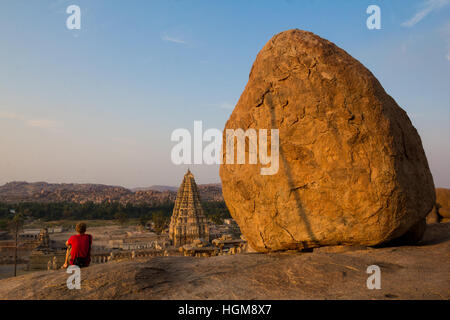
79, 248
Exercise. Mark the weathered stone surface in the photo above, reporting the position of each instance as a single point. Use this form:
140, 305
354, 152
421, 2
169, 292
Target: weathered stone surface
412, 236
432, 217
443, 198
352, 167
418, 272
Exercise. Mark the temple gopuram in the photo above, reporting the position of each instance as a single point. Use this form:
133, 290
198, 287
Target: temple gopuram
188, 222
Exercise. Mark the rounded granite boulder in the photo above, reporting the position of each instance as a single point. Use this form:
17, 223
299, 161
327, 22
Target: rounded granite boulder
352, 169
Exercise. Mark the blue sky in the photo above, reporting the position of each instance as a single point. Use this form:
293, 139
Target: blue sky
98, 105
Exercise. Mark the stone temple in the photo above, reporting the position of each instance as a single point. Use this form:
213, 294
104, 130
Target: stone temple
188, 221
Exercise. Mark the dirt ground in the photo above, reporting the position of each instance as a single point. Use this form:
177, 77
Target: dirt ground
7, 270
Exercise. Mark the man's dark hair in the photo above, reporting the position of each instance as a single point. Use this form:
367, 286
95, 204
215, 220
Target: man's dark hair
81, 228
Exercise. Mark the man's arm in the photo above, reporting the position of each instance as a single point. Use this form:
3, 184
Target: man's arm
66, 262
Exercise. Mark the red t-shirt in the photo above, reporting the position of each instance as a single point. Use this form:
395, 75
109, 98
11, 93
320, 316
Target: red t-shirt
80, 247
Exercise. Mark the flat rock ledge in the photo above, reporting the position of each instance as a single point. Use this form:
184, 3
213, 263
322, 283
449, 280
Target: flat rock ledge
408, 272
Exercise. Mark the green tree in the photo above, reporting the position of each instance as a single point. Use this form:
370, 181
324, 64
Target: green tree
121, 217
160, 221
143, 221
4, 225
216, 218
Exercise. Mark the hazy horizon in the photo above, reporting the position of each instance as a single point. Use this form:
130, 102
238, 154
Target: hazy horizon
115, 185
98, 105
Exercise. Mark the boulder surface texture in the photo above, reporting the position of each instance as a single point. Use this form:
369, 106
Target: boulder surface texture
352, 169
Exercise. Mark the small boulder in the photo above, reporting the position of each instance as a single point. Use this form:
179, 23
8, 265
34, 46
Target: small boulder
443, 199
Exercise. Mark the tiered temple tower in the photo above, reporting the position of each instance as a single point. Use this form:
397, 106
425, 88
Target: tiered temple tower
188, 221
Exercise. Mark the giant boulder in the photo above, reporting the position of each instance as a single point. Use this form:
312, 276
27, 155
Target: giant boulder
352, 167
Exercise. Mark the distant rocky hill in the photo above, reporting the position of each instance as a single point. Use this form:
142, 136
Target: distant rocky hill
97, 193
156, 188
210, 192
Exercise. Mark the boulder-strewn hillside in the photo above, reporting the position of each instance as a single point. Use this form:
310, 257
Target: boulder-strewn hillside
80, 193
410, 272
156, 188
208, 192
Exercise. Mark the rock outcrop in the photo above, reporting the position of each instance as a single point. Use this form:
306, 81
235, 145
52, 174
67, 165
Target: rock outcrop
419, 272
443, 199
433, 217
352, 169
